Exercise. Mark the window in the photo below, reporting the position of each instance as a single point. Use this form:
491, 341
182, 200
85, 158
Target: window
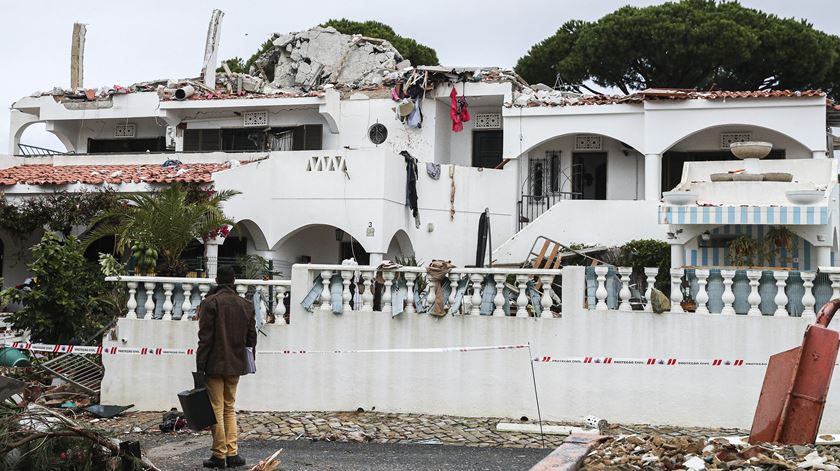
544, 174
126, 146
306, 137
487, 149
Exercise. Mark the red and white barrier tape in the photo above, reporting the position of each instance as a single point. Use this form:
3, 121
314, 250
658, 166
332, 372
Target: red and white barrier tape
589, 361
158, 351
609, 361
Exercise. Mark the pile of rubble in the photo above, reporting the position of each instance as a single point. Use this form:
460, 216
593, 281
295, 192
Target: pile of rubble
658, 451
318, 56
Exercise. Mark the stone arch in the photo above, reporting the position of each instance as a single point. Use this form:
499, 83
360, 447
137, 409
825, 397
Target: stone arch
317, 242
26, 122
252, 229
734, 126
400, 245
630, 142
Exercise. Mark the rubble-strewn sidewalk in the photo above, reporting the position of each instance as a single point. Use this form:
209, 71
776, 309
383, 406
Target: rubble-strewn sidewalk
387, 428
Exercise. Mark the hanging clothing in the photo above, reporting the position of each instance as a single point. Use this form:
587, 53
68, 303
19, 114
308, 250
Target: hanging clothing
411, 186
438, 271
454, 112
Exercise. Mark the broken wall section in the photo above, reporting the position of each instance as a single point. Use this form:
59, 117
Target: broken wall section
318, 56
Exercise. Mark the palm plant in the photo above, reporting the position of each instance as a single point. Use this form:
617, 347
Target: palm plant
165, 221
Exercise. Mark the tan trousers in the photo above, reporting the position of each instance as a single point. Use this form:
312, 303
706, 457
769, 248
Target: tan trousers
222, 392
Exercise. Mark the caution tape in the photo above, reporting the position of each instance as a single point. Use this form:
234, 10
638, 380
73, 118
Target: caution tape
159, 351
650, 361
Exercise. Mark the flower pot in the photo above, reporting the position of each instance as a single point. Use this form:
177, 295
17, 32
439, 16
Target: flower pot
689, 306
804, 196
750, 149
680, 198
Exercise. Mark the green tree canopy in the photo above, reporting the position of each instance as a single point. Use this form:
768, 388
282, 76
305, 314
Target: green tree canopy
700, 44
416, 53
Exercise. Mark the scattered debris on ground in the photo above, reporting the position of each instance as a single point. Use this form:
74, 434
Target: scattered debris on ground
662, 451
272, 463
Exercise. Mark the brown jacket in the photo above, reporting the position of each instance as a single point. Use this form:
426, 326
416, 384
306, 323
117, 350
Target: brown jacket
226, 326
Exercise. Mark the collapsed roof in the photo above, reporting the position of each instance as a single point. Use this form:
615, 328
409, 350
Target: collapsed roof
320, 56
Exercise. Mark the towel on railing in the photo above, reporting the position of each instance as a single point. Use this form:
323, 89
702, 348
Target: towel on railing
438, 271
336, 287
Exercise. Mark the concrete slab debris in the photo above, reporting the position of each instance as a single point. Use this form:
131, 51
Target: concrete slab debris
211, 48
323, 55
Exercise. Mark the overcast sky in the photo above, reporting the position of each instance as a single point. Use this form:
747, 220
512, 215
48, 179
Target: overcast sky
134, 41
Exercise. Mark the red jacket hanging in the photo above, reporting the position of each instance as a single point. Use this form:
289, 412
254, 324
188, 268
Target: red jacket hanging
457, 125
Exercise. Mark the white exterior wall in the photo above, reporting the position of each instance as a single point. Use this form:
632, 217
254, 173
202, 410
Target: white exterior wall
490, 383
625, 173
592, 222
709, 140
280, 196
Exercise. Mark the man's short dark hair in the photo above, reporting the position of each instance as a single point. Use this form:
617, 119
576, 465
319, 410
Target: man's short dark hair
225, 275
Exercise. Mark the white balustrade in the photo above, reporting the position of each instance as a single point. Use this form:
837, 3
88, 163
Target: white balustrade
132, 300
650, 273
624, 292
546, 301
702, 295
781, 298
754, 298
186, 306
835, 284
728, 297
454, 279
346, 296
430, 295
808, 299
241, 290
326, 296
499, 298
150, 301
367, 294
410, 277
601, 290
280, 305
171, 287
676, 289
522, 299
475, 300
388, 276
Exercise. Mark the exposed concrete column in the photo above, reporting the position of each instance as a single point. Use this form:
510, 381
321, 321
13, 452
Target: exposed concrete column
823, 255
77, 57
677, 255
818, 154
211, 49
653, 177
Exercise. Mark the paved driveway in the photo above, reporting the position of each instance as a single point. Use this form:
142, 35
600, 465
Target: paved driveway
182, 453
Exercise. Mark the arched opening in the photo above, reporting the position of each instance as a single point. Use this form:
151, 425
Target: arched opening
400, 246
318, 243
712, 144
583, 166
34, 139
106, 245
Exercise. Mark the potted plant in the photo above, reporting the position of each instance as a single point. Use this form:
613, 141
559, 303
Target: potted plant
744, 251
779, 238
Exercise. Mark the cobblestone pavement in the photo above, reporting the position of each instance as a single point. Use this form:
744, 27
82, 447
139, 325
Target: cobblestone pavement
389, 428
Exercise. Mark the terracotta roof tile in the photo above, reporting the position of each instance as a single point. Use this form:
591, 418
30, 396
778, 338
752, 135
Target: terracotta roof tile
654, 94
47, 174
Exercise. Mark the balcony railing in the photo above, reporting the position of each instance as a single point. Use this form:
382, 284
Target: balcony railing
463, 291
716, 290
170, 298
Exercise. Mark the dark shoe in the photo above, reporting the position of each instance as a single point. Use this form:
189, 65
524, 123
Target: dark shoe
214, 462
235, 461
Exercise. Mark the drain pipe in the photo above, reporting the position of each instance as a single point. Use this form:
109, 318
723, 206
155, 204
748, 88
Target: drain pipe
184, 92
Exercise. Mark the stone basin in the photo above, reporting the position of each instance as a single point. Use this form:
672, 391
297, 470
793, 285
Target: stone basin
680, 198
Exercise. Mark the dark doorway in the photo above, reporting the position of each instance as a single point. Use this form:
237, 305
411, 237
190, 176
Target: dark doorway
589, 175
487, 148
672, 163
354, 251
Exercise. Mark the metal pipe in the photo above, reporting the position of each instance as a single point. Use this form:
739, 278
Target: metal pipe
184, 92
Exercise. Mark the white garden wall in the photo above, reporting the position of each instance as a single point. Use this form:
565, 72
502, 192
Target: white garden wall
492, 383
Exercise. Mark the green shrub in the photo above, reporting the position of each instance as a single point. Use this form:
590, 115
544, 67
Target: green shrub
647, 253
68, 298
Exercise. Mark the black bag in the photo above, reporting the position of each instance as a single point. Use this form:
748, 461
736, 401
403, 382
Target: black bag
196, 405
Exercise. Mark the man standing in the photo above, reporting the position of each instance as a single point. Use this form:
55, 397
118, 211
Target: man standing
226, 326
